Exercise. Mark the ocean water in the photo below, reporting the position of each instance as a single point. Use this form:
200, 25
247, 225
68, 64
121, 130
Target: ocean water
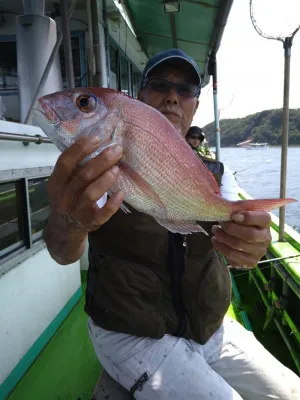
258, 172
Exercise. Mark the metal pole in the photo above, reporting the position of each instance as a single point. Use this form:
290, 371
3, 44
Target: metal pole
216, 110
285, 129
96, 43
65, 27
24, 138
32, 7
48, 66
106, 38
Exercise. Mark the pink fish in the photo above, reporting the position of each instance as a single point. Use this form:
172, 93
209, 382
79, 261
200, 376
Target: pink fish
160, 175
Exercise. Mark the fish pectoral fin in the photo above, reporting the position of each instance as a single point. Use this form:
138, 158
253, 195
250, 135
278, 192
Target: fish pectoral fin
145, 190
115, 133
183, 227
125, 209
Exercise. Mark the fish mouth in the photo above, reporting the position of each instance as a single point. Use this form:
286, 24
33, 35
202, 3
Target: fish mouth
47, 121
45, 111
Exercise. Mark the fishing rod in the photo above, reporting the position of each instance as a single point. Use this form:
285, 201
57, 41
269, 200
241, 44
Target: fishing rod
277, 259
252, 165
287, 39
247, 270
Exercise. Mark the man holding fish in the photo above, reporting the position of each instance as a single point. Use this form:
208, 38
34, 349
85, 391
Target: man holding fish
157, 289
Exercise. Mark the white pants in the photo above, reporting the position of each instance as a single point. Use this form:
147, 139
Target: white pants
232, 365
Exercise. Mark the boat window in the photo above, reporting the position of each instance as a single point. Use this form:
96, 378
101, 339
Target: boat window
78, 63
113, 67
11, 227
8, 66
124, 75
39, 205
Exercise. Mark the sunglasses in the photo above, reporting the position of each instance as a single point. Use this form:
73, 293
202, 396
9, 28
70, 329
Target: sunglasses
187, 90
194, 137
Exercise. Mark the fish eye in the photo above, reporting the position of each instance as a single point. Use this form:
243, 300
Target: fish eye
86, 103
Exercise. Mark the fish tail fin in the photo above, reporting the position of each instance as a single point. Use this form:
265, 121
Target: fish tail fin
261, 204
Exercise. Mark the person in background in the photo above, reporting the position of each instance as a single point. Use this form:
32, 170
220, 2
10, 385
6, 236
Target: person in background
197, 140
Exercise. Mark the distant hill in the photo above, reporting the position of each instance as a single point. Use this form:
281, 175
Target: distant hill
264, 126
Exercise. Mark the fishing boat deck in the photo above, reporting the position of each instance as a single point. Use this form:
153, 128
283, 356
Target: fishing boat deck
67, 369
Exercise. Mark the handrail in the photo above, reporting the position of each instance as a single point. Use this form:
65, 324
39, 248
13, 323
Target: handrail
37, 139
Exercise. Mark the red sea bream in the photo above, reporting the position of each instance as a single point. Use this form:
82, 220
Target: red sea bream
159, 173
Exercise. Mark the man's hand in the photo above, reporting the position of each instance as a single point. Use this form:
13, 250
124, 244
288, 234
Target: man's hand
243, 240
74, 191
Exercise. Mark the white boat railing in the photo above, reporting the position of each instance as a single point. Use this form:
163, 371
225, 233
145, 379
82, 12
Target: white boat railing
17, 132
37, 139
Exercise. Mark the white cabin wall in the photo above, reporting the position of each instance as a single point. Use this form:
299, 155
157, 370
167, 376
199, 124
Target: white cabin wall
14, 155
84, 260
31, 296
35, 291
12, 107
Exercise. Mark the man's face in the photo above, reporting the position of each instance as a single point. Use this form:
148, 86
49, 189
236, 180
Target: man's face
194, 141
178, 109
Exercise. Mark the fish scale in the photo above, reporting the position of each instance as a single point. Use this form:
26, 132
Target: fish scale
160, 174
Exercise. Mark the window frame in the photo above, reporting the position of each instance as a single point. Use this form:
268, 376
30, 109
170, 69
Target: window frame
8, 92
37, 235
120, 52
82, 55
20, 251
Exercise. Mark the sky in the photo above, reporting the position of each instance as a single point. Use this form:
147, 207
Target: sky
250, 67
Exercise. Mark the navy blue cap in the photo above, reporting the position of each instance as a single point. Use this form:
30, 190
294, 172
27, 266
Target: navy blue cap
171, 54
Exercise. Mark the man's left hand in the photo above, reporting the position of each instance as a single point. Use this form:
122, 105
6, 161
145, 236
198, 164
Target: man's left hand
243, 240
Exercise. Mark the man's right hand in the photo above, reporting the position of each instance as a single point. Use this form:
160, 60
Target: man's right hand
74, 191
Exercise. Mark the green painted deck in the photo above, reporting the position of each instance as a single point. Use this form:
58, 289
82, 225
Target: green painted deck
67, 369
251, 302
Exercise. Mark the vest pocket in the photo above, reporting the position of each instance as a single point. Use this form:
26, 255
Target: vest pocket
127, 298
213, 299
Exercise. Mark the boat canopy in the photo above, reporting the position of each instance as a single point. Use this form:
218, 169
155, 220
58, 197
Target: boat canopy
196, 29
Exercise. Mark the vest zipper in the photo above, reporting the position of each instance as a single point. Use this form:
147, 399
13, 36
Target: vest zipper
177, 245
